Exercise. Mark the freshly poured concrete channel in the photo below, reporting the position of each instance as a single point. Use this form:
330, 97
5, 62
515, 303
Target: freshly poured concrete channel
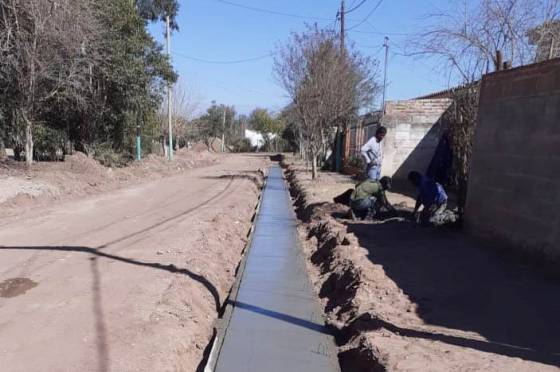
276, 323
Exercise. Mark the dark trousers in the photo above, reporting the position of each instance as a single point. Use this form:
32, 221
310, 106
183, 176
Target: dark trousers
363, 208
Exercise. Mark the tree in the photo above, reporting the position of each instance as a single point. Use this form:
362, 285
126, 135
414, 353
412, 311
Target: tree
267, 125
185, 104
470, 40
328, 87
43, 57
473, 41
154, 10
211, 125
78, 74
546, 40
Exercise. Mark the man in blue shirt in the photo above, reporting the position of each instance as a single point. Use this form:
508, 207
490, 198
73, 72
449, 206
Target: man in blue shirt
432, 196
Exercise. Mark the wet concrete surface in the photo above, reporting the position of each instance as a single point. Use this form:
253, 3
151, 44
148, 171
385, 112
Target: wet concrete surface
277, 323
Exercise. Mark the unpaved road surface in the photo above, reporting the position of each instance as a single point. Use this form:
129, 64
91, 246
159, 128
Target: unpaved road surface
128, 280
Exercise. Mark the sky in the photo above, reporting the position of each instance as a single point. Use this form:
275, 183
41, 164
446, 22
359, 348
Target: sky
222, 52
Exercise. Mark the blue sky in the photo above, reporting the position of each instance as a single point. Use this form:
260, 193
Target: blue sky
211, 30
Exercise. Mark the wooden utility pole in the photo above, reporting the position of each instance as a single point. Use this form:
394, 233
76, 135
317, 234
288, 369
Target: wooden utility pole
386, 46
551, 49
224, 130
169, 114
342, 29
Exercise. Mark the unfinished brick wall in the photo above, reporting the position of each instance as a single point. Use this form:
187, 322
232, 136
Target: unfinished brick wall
514, 186
414, 129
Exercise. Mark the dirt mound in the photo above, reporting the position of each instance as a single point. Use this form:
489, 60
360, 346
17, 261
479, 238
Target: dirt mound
199, 147
81, 163
216, 145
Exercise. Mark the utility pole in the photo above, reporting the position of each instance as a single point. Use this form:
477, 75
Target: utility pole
224, 130
342, 29
551, 50
170, 126
338, 138
386, 46
466, 16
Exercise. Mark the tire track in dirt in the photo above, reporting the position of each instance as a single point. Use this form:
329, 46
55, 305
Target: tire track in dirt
181, 217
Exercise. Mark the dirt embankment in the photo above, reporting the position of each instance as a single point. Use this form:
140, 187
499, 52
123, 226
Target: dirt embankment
79, 175
401, 299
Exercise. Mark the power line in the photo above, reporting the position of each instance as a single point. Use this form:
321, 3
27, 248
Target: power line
385, 33
376, 49
367, 17
355, 7
379, 33
268, 11
223, 62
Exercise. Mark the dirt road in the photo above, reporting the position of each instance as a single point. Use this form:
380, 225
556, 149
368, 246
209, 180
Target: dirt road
128, 280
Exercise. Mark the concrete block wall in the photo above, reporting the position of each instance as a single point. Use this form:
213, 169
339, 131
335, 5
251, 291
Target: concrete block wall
414, 130
514, 186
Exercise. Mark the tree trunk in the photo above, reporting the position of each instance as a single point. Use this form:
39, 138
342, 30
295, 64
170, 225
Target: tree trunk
2, 149
28, 142
313, 165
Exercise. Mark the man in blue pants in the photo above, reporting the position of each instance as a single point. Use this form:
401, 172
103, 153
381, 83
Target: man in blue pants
372, 152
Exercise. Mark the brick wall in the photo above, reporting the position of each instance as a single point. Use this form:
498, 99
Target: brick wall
514, 186
414, 129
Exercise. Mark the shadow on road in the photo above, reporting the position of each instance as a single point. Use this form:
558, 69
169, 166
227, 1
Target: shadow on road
154, 265
283, 317
459, 285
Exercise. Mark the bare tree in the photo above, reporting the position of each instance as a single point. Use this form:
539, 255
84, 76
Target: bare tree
471, 39
327, 87
474, 40
186, 104
546, 39
46, 52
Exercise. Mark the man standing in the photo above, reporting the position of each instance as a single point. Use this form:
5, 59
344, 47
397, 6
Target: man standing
373, 154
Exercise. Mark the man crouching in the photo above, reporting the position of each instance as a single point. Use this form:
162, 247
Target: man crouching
433, 197
368, 197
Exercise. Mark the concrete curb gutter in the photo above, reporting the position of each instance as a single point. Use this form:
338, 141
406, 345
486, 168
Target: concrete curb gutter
221, 325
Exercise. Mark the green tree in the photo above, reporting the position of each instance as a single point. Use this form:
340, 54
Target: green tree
154, 10
269, 126
130, 82
211, 124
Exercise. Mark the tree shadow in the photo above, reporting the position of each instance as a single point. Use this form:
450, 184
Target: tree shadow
459, 285
154, 265
368, 322
283, 317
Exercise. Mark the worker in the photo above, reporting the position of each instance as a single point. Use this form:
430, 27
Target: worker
372, 152
432, 197
368, 197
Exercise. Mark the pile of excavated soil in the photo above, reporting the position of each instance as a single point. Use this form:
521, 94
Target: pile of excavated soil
79, 175
405, 298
